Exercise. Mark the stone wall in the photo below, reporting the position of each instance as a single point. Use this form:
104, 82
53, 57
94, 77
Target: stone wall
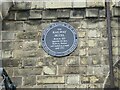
30, 66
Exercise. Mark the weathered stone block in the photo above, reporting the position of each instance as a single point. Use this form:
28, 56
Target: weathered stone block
82, 43
94, 51
49, 14
95, 3
10, 62
49, 70
50, 80
35, 14
37, 4
92, 33
58, 4
83, 52
115, 42
32, 25
17, 81
22, 15
83, 60
92, 43
85, 79
79, 4
63, 13
72, 60
68, 70
81, 34
30, 45
115, 51
9, 70
94, 79
27, 35
77, 13
7, 45
11, 15
117, 3
92, 12
7, 54
21, 6
101, 13
8, 35
29, 62
73, 79
29, 81
27, 71
116, 11
28, 54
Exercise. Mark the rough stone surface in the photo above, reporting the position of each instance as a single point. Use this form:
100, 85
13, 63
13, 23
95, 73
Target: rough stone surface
50, 79
29, 66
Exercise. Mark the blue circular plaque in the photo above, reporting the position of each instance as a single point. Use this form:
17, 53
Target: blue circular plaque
59, 39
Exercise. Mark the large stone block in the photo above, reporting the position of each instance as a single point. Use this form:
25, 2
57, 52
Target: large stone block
10, 62
117, 3
32, 25
68, 70
63, 13
49, 14
84, 60
92, 43
7, 54
92, 33
7, 45
116, 11
29, 62
49, 70
35, 14
85, 79
27, 35
95, 3
73, 79
83, 52
17, 81
55, 4
77, 13
8, 35
21, 5
27, 71
22, 15
79, 4
37, 4
92, 12
29, 81
72, 61
30, 45
50, 80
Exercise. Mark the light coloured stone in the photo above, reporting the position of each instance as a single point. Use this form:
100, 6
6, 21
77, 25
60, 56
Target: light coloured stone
73, 79
115, 51
82, 51
93, 79
95, 3
91, 43
50, 79
81, 34
48, 70
58, 4
82, 43
84, 60
35, 4
92, 33
79, 3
